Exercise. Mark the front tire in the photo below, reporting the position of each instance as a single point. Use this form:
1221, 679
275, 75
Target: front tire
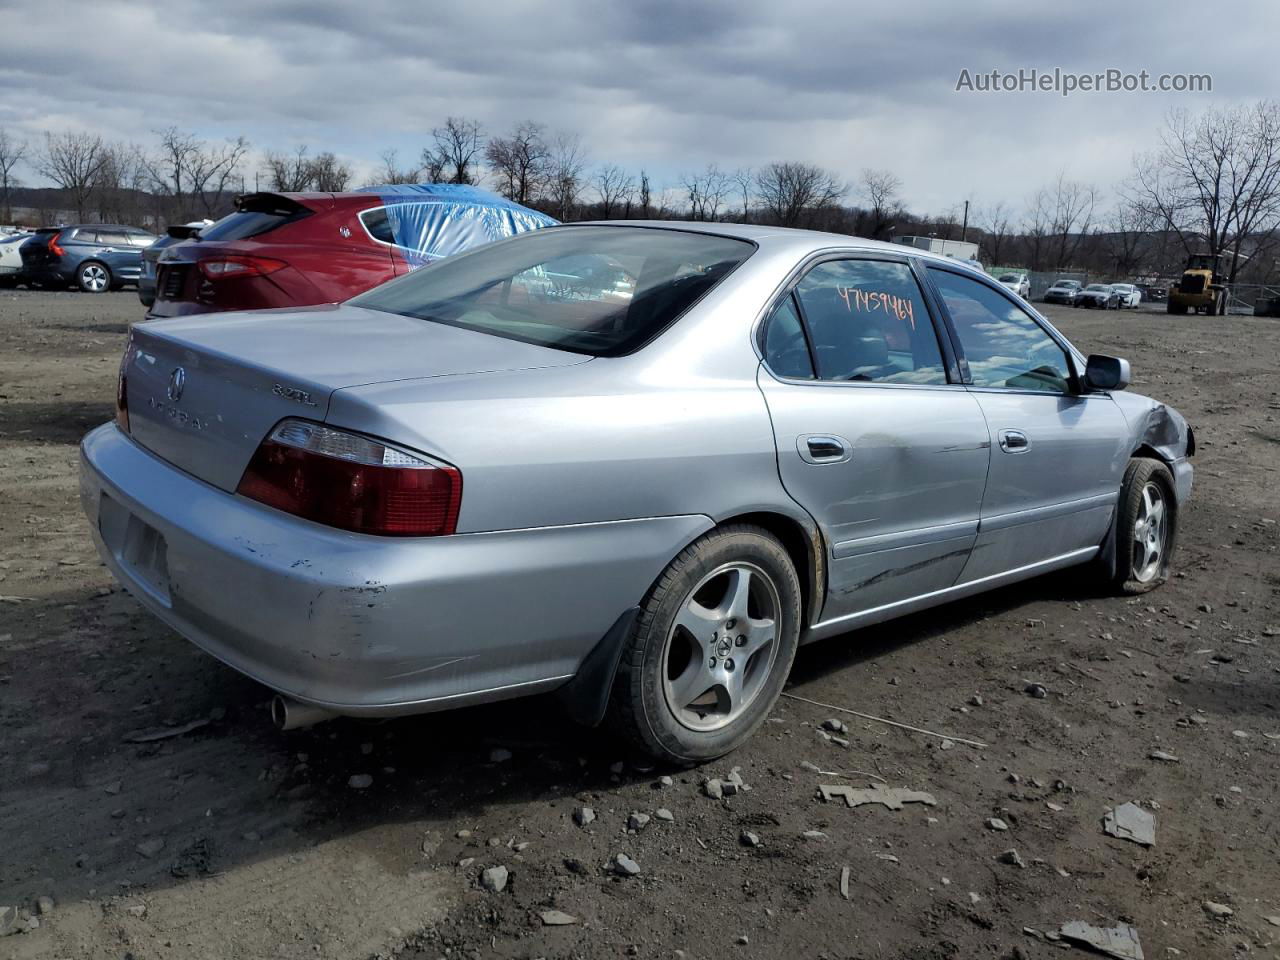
1146, 527
94, 277
711, 649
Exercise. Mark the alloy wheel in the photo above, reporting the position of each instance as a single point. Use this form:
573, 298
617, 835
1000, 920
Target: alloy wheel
94, 278
1150, 534
721, 648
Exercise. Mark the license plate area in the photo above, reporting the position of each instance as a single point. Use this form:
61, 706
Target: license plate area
138, 547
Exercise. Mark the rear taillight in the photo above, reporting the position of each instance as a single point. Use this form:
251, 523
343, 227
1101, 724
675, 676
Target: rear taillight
122, 392
54, 248
227, 268
352, 482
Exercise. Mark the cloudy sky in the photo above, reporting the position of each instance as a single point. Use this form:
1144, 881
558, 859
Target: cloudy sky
664, 85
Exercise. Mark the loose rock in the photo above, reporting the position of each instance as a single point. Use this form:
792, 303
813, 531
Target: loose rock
557, 918
44, 905
713, 788
995, 823
583, 815
1130, 822
360, 781
662, 813
494, 879
835, 726
149, 848
1010, 857
637, 821
749, 839
625, 866
499, 755
1219, 911
1036, 691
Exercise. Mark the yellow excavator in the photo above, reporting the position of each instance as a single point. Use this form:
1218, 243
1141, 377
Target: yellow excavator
1202, 288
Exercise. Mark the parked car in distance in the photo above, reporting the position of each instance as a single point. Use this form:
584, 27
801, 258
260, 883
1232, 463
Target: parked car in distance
1101, 296
1063, 291
11, 258
1153, 292
175, 233
302, 249
1129, 295
519, 477
1019, 283
96, 257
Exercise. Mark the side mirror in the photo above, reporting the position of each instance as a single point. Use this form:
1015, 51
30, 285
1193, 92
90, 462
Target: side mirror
1106, 373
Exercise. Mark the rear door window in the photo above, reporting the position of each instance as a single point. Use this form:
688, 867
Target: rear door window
867, 321
378, 225
786, 349
113, 238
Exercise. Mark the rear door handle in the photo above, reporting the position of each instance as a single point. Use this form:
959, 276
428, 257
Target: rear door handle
1014, 441
823, 448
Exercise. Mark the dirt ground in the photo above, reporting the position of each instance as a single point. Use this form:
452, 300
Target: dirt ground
231, 840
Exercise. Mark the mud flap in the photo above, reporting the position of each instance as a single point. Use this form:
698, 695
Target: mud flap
586, 697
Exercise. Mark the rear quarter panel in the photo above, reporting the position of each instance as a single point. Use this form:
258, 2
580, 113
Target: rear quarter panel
679, 427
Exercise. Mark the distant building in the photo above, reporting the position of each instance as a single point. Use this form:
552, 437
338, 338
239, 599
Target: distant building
948, 248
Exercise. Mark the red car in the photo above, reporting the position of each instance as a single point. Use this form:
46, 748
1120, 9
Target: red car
299, 249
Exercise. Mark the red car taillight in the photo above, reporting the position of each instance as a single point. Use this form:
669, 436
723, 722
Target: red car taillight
56, 250
229, 267
122, 392
352, 482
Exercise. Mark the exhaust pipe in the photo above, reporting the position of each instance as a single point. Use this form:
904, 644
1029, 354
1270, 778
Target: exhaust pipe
290, 714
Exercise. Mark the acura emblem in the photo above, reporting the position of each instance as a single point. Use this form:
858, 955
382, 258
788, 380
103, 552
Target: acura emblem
177, 380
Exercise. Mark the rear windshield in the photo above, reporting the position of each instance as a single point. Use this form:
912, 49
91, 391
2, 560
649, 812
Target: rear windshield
247, 223
602, 291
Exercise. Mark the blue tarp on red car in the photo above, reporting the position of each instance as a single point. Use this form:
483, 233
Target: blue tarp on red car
434, 220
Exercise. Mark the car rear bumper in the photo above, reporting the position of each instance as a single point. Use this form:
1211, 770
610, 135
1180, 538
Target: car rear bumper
357, 624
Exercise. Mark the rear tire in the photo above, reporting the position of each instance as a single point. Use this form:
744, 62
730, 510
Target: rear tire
94, 277
1146, 527
711, 649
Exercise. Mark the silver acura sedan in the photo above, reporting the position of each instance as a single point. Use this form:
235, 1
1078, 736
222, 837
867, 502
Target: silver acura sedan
633, 463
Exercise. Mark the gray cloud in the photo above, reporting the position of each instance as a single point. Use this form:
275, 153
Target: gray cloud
666, 85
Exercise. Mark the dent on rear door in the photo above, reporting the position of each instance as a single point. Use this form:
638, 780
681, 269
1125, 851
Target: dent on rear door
900, 514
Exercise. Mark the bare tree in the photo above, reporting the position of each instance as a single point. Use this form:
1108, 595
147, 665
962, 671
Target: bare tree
1215, 180
792, 192
12, 150
1125, 237
73, 161
393, 173
454, 158
212, 171
329, 174
169, 169
1062, 214
745, 178
706, 191
880, 188
289, 172
645, 198
615, 187
996, 224
120, 182
520, 161
565, 167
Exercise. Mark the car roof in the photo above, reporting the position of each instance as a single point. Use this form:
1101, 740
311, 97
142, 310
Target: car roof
782, 239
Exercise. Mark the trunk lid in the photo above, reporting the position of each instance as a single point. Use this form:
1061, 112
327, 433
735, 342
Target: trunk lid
203, 391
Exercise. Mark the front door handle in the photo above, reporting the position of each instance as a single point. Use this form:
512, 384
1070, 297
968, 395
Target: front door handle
1014, 441
823, 448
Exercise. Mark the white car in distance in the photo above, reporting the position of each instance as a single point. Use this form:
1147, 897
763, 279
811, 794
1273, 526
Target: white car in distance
1019, 283
1130, 296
